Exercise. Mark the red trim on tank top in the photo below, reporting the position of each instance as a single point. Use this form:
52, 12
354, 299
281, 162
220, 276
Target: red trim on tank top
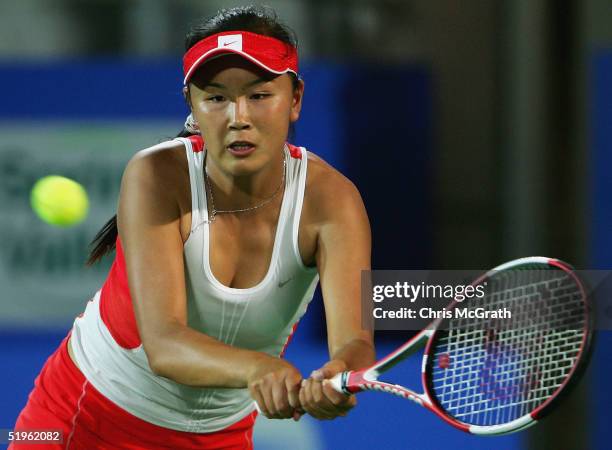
295, 325
197, 143
116, 307
294, 151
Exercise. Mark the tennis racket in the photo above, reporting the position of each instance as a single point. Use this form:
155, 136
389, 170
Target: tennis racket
493, 377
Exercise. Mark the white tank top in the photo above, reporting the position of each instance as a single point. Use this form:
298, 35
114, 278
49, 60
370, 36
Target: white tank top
260, 318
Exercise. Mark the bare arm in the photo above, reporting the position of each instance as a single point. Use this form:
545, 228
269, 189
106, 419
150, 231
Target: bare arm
344, 250
148, 222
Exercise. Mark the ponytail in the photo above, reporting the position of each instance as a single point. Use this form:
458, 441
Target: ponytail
103, 242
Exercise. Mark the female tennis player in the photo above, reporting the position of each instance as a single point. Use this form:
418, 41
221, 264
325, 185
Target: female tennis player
221, 236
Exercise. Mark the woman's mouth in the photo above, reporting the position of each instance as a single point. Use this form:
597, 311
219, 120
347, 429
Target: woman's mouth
241, 148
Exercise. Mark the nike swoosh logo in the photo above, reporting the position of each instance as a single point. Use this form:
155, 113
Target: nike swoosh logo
225, 44
282, 283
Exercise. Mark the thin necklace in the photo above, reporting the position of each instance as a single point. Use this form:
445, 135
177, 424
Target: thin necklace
214, 211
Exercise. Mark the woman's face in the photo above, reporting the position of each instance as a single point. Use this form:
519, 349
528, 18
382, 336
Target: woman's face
243, 113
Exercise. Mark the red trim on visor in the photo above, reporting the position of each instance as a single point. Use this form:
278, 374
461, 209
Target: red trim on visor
267, 52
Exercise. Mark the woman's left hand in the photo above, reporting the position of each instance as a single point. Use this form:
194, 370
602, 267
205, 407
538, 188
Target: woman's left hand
319, 399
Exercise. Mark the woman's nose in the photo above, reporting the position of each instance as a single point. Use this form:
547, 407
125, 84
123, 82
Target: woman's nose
239, 114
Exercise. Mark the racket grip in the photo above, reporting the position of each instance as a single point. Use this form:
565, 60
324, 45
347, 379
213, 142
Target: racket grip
257, 404
339, 382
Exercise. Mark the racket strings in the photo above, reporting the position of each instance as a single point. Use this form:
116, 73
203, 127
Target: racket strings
496, 371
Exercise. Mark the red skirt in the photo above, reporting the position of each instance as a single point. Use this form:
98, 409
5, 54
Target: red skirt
63, 400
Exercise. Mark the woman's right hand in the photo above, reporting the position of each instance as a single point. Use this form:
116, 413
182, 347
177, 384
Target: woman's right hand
275, 385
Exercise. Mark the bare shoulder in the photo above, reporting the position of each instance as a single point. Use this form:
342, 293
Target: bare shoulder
162, 167
329, 194
156, 178
165, 158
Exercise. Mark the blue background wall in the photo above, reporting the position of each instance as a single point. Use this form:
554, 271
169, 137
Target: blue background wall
601, 228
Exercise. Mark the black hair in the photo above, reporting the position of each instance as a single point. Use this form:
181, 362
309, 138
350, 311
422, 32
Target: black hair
256, 19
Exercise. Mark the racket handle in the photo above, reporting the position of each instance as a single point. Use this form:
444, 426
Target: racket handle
339, 382
259, 409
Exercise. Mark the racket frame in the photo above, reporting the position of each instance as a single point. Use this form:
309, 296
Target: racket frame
351, 382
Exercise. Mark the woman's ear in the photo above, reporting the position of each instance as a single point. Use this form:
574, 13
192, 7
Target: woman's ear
186, 96
296, 102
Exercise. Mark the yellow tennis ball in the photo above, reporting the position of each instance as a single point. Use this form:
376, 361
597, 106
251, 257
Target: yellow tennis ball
59, 201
